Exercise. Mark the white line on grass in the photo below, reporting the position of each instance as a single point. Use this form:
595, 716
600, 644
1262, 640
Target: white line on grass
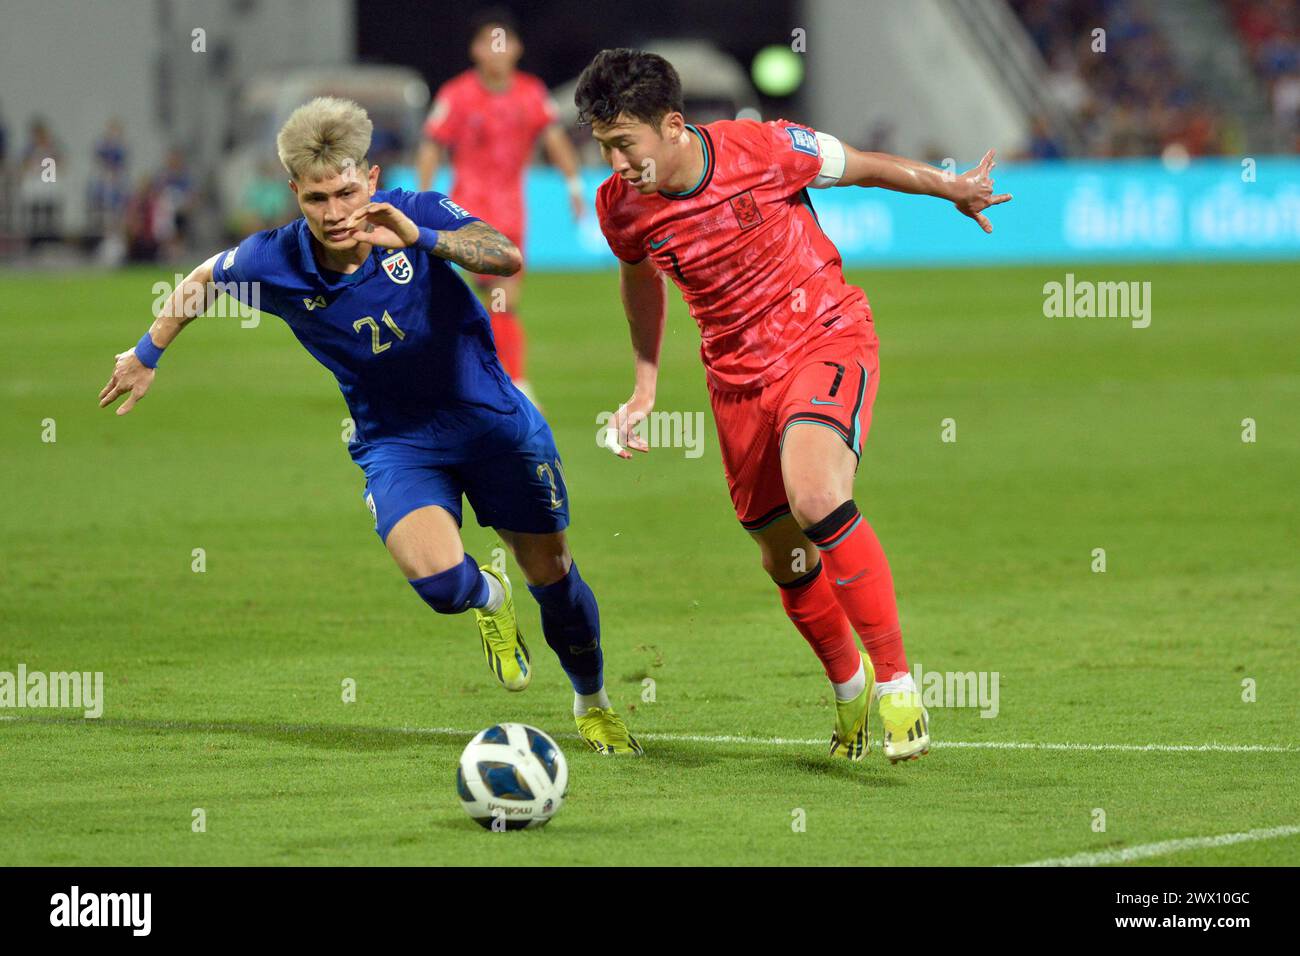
997, 744
1102, 858
1166, 847
940, 744
820, 741
1133, 748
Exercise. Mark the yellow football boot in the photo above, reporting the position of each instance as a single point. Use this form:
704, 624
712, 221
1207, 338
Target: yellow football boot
604, 732
907, 726
851, 738
503, 645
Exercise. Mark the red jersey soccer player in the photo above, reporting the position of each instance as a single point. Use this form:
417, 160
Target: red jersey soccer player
789, 348
489, 117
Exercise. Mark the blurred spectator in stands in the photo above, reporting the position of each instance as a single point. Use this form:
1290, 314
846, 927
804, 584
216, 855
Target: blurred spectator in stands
108, 193
180, 197
1256, 21
1286, 105
38, 174
1065, 83
1198, 130
108, 182
1271, 32
1130, 99
1042, 144
147, 220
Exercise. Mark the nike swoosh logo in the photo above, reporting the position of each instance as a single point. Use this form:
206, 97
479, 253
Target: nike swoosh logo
656, 245
816, 402
842, 582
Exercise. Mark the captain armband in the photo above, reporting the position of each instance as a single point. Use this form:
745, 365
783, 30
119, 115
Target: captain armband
832, 151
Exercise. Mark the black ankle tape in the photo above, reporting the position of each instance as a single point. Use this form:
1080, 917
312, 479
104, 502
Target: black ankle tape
832, 524
802, 580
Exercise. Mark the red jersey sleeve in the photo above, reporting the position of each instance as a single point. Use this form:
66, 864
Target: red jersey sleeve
794, 150
617, 223
444, 122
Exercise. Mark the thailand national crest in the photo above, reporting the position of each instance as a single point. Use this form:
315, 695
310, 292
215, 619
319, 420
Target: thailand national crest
398, 267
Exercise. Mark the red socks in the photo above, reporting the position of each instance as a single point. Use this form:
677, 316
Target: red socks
858, 576
813, 609
509, 335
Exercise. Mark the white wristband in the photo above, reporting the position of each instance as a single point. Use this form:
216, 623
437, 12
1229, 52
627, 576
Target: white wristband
832, 151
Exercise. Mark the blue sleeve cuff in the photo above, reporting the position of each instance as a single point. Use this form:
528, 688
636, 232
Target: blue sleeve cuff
428, 239
147, 352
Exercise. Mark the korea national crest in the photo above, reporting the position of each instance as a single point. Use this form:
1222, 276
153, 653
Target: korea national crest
398, 267
746, 210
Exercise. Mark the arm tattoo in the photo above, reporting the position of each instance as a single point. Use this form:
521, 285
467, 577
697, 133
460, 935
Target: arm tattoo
479, 248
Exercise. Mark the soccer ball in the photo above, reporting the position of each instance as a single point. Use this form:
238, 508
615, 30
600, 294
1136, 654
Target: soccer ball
512, 777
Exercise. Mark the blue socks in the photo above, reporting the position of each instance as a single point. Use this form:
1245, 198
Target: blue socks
571, 624
570, 618
454, 590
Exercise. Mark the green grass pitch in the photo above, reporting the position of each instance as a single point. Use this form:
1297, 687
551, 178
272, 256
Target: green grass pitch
223, 688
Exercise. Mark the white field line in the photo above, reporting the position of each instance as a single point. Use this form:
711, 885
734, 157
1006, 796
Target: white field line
820, 741
938, 744
1144, 851
1165, 847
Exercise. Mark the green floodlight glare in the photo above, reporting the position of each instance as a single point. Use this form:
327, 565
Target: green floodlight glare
777, 70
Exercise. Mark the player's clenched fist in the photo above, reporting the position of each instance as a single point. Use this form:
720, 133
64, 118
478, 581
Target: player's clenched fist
382, 224
130, 377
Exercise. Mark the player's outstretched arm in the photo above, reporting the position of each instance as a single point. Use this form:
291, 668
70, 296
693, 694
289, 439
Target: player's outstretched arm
134, 369
971, 192
645, 301
475, 246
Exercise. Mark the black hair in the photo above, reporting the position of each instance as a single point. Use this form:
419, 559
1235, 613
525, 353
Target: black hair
493, 17
641, 85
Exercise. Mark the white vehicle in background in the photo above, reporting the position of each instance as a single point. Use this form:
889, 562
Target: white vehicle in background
251, 186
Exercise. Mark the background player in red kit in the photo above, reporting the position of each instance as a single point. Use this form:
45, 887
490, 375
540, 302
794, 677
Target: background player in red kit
789, 348
489, 118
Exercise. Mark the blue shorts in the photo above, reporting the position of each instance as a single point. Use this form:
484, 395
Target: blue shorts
517, 486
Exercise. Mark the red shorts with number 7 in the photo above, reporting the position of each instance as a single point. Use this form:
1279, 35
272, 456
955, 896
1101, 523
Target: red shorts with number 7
833, 385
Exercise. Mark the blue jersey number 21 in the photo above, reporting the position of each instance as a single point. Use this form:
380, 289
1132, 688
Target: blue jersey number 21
376, 345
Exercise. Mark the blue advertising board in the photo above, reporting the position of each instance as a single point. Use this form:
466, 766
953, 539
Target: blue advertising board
1066, 211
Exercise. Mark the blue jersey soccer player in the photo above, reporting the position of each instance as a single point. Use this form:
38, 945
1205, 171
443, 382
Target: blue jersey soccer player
365, 282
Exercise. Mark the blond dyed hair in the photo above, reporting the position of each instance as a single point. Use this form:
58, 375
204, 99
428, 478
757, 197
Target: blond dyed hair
323, 138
